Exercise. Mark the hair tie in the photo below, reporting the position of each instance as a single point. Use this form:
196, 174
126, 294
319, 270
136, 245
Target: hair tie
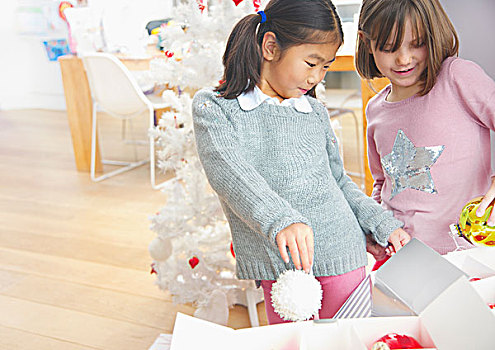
263, 16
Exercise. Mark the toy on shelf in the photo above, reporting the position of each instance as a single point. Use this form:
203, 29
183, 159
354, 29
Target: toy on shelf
473, 227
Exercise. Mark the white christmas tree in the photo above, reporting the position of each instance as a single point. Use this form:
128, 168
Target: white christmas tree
192, 252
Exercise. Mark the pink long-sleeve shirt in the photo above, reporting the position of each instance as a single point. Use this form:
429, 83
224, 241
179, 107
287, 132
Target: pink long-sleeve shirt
429, 155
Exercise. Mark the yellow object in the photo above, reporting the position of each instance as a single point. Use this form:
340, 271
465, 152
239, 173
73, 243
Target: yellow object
473, 227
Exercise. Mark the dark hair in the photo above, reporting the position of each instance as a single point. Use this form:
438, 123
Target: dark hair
294, 22
382, 20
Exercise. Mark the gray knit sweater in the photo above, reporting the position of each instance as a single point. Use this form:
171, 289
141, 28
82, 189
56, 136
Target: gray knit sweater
274, 166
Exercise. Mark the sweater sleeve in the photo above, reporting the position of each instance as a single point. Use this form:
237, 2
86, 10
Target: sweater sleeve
476, 91
372, 218
235, 181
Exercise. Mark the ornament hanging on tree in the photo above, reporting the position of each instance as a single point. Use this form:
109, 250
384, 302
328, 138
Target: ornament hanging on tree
201, 5
160, 248
296, 295
193, 262
257, 5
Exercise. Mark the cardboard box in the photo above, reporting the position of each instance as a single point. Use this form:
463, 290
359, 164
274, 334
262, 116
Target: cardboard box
477, 262
432, 301
419, 281
369, 330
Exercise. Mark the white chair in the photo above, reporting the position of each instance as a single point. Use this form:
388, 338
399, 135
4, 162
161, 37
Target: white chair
115, 91
334, 113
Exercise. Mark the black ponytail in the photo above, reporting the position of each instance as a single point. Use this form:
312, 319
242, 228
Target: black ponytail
242, 58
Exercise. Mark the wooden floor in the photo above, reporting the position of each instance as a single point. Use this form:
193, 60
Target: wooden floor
74, 264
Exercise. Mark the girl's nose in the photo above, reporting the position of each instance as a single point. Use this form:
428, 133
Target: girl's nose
314, 78
403, 57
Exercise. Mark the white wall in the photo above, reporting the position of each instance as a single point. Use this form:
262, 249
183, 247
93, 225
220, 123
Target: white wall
28, 79
475, 25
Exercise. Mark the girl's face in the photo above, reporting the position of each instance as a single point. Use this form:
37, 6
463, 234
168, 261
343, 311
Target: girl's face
299, 69
403, 67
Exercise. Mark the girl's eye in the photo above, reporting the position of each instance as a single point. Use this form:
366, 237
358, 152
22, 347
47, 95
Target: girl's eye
419, 44
310, 64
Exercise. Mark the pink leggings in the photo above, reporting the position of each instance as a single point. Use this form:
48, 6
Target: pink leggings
336, 290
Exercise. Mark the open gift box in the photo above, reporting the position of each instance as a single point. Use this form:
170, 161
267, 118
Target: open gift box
430, 299
479, 264
361, 334
476, 263
419, 281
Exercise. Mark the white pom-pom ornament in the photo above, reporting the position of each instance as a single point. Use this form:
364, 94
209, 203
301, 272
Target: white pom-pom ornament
296, 295
160, 248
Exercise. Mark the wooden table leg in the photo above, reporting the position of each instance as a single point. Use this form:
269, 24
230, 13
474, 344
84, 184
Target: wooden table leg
368, 90
79, 111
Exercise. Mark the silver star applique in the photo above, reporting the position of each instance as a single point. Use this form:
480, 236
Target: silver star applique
409, 166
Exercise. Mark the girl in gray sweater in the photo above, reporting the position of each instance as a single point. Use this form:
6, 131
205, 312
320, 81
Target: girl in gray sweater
270, 154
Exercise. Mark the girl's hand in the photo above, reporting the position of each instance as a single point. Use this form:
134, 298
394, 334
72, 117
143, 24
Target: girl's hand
372, 247
487, 199
299, 238
398, 239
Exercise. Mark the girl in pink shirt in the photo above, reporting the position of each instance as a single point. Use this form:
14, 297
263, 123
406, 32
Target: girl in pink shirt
429, 130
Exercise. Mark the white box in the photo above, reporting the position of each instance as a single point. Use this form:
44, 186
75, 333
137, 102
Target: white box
369, 330
477, 262
330, 334
448, 313
419, 281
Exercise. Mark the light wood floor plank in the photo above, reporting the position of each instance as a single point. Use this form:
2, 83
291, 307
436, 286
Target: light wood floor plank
14, 339
83, 272
73, 247
75, 327
151, 312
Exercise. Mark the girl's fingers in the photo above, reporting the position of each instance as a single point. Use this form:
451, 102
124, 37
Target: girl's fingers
405, 239
396, 245
311, 248
294, 252
485, 202
282, 248
304, 254
491, 219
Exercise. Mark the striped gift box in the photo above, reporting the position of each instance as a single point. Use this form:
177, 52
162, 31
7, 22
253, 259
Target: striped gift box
359, 303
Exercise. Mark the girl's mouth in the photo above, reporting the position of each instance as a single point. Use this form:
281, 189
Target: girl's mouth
404, 72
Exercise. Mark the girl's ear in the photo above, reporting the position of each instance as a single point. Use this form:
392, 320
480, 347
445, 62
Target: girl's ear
269, 46
365, 41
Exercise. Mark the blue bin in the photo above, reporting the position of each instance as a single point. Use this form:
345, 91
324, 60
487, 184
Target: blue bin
56, 48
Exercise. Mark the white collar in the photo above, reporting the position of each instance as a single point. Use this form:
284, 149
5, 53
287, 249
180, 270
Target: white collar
251, 99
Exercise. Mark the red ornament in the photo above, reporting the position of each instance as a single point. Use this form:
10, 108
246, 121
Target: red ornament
256, 4
473, 279
193, 262
491, 306
237, 2
64, 5
169, 54
399, 341
153, 271
201, 5
232, 249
